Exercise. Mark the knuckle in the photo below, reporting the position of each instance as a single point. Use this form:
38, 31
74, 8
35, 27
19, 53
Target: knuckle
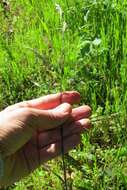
53, 116
55, 119
25, 104
30, 117
28, 112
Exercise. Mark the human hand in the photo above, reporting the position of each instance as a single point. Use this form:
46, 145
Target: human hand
30, 132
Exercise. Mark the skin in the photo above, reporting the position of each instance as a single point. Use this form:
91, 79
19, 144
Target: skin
30, 132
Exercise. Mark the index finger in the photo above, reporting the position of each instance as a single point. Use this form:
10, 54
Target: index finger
49, 101
54, 100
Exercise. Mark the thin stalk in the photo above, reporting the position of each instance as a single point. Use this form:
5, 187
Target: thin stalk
104, 117
62, 138
63, 160
61, 64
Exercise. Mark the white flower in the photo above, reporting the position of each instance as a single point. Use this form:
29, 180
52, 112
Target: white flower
96, 42
64, 26
59, 9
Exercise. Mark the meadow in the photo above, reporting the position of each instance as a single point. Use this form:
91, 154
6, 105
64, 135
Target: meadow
81, 45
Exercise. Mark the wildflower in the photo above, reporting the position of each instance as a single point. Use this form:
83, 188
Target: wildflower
96, 42
59, 9
64, 26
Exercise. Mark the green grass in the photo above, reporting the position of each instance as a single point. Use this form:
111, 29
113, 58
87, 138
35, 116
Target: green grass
94, 48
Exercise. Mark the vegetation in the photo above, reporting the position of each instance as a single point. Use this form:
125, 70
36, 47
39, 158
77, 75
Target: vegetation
87, 39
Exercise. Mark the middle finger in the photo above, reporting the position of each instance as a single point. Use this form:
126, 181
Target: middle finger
51, 136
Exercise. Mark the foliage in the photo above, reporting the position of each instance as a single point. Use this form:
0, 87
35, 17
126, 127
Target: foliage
94, 53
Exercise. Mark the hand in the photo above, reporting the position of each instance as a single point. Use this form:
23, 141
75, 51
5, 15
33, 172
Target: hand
30, 132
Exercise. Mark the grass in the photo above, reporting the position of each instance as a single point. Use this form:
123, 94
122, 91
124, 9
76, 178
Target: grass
94, 53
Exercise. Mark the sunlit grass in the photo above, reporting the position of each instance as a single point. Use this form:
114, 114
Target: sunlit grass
95, 56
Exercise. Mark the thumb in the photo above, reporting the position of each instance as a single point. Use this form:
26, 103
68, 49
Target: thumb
48, 119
